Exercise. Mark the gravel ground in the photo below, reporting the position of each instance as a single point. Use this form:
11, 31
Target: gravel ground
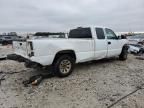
92, 85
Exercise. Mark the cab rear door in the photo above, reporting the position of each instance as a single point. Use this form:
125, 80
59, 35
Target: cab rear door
100, 43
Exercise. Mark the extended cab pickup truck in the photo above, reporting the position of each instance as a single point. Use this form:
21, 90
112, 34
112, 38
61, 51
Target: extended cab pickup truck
81, 45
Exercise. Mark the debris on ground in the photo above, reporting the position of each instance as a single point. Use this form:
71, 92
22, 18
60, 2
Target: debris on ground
3, 58
2, 78
37, 79
140, 57
9, 72
138, 88
3, 74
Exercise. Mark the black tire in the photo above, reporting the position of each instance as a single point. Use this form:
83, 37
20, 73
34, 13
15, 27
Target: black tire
4, 43
63, 66
141, 51
124, 54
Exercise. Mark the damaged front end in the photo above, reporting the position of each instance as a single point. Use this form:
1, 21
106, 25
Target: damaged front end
136, 49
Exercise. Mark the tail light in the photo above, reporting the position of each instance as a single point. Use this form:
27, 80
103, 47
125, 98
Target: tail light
31, 53
31, 45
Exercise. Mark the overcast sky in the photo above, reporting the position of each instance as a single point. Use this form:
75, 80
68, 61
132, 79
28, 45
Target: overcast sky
61, 15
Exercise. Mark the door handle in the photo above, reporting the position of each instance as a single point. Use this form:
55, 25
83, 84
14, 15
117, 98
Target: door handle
109, 43
20, 44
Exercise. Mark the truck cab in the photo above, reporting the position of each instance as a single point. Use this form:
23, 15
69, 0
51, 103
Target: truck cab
100, 42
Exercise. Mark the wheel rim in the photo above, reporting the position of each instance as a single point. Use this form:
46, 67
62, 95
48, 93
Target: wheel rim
65, 66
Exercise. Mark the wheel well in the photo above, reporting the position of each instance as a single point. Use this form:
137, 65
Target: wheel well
125, 47
65, 52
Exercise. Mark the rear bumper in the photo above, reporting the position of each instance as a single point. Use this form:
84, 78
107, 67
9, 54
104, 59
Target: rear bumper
28, 63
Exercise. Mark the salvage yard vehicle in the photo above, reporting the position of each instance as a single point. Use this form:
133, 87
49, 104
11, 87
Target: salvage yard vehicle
136, 39
7, 39
136, 48
82, 44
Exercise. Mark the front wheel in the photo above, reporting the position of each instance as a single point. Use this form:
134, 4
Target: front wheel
63, 66
124, 54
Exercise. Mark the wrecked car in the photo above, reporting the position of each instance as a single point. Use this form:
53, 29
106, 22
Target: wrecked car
136, 39
8, 39
136, 48
80, 45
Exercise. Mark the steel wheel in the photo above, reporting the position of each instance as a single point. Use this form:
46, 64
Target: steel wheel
65, 66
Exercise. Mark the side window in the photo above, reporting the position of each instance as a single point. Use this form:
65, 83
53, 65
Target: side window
80, 33
100, 33
110, 34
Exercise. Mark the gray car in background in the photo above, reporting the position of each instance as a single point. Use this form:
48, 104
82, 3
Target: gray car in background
136, 39
8, 39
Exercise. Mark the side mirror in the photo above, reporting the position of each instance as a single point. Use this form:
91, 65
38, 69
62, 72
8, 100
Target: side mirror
123, 37
119, 37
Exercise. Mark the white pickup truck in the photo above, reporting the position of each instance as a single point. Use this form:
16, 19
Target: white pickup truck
80, 45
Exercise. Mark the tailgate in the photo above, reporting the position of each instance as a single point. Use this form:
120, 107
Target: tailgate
20, 47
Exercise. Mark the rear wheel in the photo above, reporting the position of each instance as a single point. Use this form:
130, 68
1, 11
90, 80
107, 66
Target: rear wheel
63, 66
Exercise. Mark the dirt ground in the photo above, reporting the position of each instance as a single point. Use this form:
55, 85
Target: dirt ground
4, 50
92, 85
